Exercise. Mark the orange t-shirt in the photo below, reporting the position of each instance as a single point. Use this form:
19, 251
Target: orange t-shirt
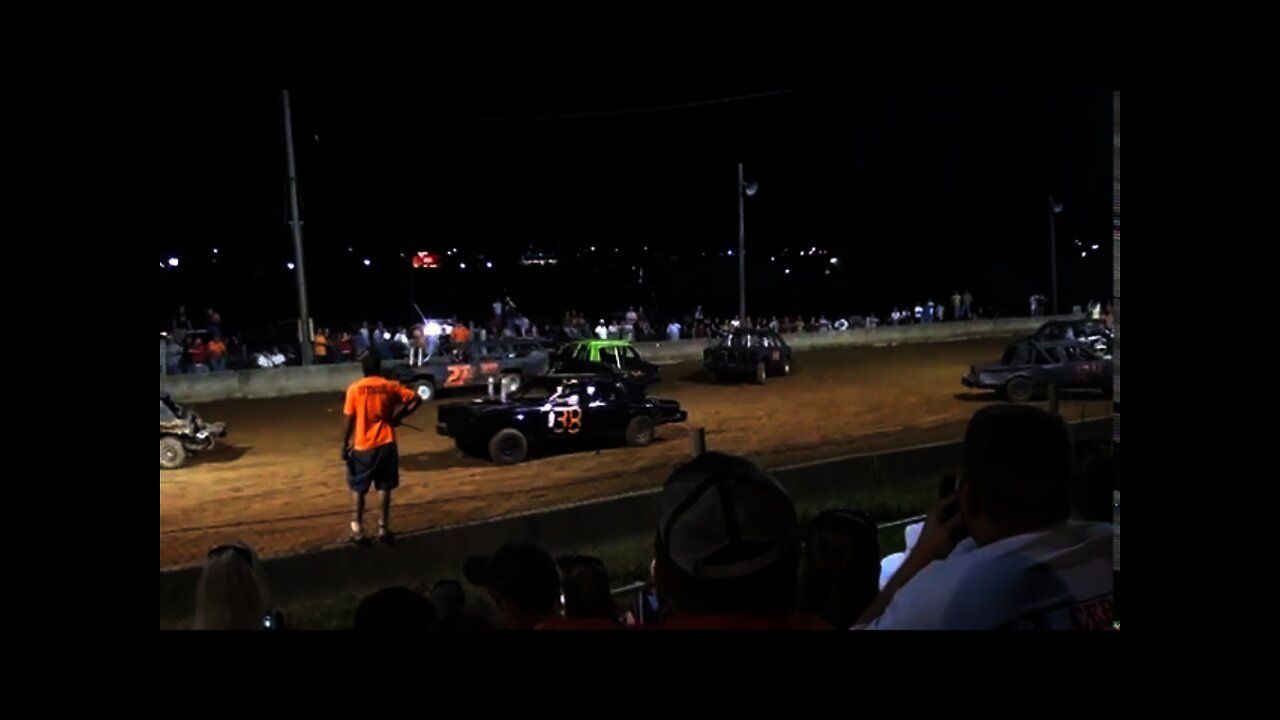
217, 348
373, 402
321, 346
461, 333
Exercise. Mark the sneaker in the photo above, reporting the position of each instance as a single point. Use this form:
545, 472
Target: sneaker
386, 536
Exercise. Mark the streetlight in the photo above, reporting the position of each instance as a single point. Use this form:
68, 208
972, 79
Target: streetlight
745, 190
1054, 209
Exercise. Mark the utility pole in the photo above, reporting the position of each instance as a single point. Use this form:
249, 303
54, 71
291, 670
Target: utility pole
1054, 209
304, 314
742, 248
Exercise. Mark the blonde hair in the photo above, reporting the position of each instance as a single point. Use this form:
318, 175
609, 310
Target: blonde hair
232, 591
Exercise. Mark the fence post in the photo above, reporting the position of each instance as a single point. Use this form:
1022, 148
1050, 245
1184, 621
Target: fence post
699, 439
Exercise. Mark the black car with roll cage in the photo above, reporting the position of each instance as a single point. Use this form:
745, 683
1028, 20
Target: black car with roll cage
505, 361
748, 352
1029, 367
562, 409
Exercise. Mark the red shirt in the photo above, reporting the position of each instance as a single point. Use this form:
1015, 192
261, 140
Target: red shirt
792, 621
199, 353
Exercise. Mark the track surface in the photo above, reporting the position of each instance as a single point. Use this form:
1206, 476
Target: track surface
279, 483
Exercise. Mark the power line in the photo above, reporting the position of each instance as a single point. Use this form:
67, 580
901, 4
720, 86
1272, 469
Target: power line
567, 116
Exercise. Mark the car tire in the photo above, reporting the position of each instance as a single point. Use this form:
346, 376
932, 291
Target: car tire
508, 447
510, 383
426, 390
172, 453
1019, 390
762, 373
640, 431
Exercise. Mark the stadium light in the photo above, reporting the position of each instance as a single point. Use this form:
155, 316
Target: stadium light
173, 262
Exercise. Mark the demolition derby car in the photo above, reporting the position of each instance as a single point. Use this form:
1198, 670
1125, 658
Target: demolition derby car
182, 432
474, 364
1030, 366
560, 410
597, 356
748, 353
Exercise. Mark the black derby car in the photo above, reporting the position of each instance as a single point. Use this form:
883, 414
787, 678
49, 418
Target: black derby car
745, 353
556, 409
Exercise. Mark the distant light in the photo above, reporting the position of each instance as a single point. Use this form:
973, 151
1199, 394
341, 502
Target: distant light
812, 250
1095, 247
488, 264
162, 264
730, 253
462, 265
615, 249
350, 249
593, 248
1084, 254
173, 262
367, 263
289, 265
835, 260
646, 248
773, 258
826, 272
787, 271
215, 251
401, 254
455, 249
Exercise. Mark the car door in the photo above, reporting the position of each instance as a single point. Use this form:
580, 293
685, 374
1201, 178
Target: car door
1054, 366
605, 409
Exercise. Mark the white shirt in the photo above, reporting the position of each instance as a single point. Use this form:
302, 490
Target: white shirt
263, 360
277, 359
673, 331
890, 564
497, 309
631, 318
602, 332
1057, 578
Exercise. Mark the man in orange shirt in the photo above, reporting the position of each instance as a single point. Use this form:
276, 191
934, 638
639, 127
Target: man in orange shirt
217, 354
369, 443
461, 334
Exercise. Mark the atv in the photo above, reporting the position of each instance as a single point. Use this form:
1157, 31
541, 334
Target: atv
183, 431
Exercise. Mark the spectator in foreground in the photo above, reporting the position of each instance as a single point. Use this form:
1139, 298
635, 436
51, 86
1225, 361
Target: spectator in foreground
232, 591
1092, 495
523, 583
840, 574
449, 598
727, 549
588, 604
395, 608
1023, 564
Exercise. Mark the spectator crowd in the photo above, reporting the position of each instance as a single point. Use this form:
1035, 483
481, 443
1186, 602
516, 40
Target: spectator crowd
1022, 540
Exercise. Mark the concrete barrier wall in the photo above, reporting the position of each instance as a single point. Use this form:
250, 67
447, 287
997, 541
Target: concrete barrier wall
627, 520
280, 382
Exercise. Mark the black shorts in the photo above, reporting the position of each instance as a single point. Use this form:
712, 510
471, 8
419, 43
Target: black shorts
379, 467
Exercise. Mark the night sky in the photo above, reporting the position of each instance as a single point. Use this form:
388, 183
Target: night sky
916, 194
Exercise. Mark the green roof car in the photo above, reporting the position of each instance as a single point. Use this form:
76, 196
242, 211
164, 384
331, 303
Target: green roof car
619, 356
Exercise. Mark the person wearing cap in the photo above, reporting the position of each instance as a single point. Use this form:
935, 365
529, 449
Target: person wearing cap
838, 577
523, 583
1002, 552
369, 443
727, 549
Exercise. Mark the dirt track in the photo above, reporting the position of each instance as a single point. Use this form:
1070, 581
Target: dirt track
279, 484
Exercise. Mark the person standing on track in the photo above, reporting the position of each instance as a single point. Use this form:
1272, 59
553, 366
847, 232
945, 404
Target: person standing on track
369, 443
